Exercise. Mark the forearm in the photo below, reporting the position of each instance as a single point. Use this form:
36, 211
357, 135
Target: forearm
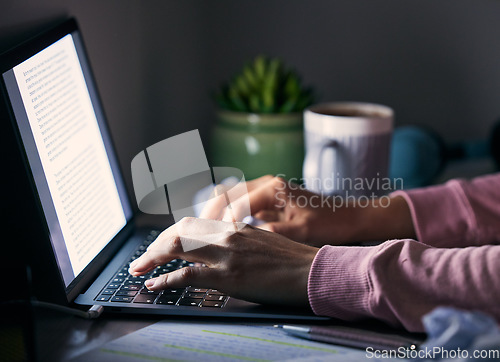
383, 219
400, 281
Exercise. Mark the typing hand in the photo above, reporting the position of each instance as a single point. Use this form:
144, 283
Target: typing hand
300, 215
242, 261
286, 209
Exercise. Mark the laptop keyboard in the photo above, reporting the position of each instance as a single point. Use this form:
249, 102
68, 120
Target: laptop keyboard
125, 288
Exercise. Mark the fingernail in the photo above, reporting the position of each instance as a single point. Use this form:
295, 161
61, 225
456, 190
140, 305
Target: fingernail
150, 282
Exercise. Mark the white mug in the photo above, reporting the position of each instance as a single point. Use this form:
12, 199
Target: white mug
347, 148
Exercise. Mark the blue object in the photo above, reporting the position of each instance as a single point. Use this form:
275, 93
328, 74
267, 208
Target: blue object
417, 156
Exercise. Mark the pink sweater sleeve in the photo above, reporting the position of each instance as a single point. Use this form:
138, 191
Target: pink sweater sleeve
458, 213
401, 280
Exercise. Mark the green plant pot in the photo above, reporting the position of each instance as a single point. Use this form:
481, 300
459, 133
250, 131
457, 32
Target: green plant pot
259, 144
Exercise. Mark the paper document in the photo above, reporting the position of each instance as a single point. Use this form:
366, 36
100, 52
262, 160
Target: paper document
166, 341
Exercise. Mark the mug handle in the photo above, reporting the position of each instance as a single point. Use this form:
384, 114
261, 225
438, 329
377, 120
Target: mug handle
314, 160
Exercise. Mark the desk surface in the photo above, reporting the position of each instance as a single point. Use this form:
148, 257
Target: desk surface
62, 337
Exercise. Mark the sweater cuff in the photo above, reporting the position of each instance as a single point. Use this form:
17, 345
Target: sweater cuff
339, 284
442, 215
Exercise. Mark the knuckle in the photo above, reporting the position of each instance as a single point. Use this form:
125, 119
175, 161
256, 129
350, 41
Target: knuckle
162, 279
278, 179
175, 245
176, 242
232, 238
235, 269
233, 235
279, 182
187, 274
187, 220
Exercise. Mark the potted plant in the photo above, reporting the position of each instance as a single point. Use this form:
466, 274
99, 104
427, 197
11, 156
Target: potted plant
259, 121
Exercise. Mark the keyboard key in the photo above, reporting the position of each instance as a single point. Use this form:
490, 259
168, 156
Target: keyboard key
173, 291
103, 298
167, 299
134, 282
120, 298
140, 277
131, 287
144, 298
128, 293
118, 280
218, 298
161, 270
108, 291
150, 292
194, 295
189, 302
197, 290
215, 291
212, 304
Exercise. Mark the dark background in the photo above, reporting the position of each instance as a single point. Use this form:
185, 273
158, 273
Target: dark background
437, 63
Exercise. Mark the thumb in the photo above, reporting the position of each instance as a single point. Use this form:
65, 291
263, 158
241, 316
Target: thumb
188, 276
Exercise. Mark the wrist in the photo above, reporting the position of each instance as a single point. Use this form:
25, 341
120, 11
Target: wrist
383, 219
302, 297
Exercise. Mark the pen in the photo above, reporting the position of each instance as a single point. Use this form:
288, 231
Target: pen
350, 337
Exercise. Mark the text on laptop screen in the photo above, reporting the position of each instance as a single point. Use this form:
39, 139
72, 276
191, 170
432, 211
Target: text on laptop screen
83, 205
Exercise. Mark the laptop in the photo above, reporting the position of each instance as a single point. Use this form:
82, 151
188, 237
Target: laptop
87, 235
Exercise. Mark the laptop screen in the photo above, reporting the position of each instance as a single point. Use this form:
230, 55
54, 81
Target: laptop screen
76, 173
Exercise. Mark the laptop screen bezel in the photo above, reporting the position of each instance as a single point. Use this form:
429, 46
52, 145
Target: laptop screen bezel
8, 61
